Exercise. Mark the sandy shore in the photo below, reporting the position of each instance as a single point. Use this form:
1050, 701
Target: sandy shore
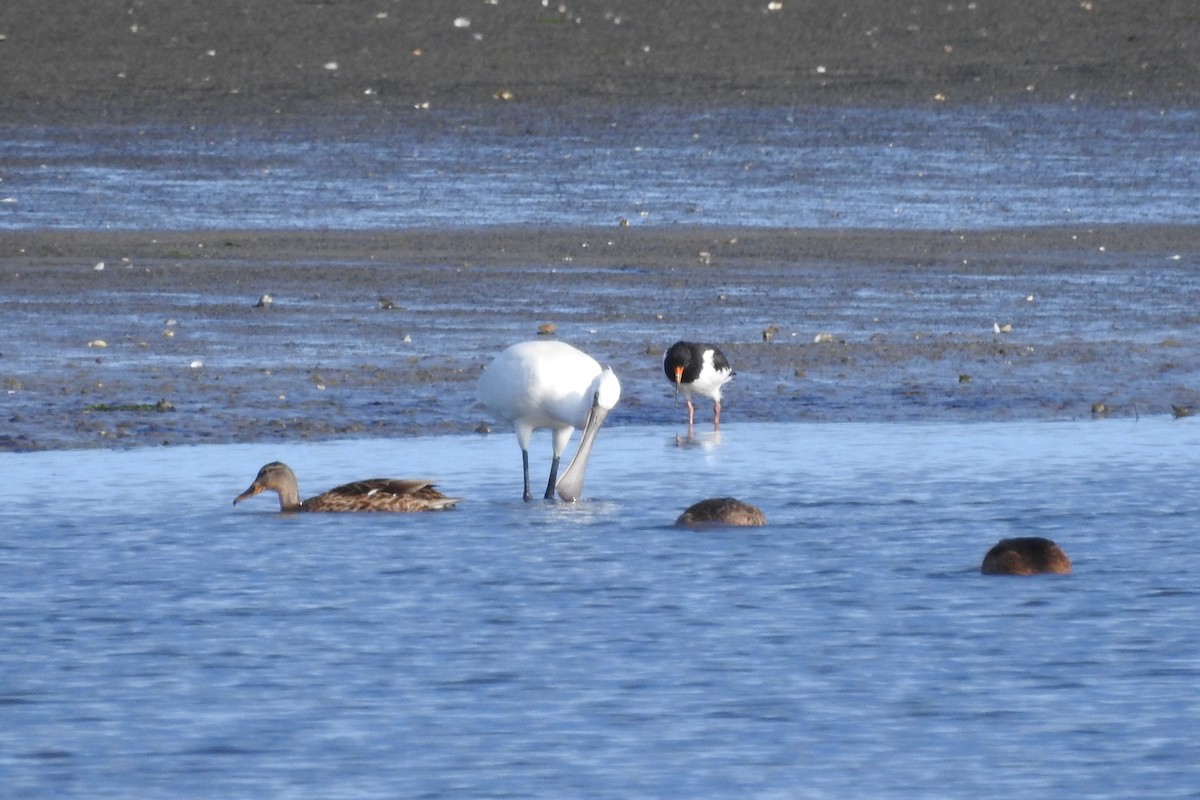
866, 325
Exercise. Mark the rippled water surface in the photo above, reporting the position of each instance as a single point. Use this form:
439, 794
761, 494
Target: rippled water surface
960, 167
157, 642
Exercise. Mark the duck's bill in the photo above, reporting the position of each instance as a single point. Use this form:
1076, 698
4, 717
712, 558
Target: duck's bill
253, 490
570, 485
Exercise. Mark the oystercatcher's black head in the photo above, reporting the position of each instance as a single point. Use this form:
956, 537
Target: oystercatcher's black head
684, 362
679, 357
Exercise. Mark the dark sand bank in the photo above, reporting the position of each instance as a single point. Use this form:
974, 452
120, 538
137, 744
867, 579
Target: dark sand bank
191, 59
870, 326
676, 246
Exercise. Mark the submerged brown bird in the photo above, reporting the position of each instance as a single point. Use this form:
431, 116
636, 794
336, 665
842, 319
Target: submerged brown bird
1027, 555
721, 511
373, 494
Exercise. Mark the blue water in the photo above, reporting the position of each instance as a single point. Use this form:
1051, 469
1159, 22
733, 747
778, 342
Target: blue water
924, 168
157, 642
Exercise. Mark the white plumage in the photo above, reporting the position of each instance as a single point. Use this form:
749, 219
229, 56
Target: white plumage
550, 384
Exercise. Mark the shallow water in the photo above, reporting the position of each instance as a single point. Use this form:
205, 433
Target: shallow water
925, 168
157, 642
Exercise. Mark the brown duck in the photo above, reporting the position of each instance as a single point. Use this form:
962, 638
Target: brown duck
721, 511
1026, 555
373, 494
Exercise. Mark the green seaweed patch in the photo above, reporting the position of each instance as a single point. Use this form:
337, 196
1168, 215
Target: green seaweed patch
159, 407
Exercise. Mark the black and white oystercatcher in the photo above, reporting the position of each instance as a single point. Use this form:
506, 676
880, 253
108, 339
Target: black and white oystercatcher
697, 369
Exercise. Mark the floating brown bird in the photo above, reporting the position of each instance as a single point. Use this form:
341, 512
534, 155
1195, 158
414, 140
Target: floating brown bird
374, 494
721, 511
1027, 555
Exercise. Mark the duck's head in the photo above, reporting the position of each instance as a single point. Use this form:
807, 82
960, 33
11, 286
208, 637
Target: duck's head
277, 477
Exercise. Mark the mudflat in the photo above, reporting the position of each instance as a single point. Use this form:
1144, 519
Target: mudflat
382, 333
145, 338
214, 60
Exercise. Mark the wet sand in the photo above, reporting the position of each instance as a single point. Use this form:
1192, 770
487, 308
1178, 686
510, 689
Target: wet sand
116, 60
864, 325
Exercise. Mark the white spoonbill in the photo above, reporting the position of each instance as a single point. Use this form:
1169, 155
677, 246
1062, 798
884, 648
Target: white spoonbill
549, 384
